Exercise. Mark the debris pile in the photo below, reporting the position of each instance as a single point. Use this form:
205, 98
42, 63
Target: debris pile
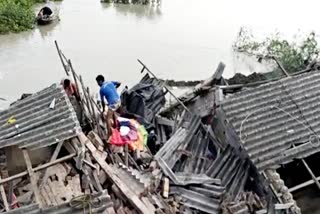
210, 152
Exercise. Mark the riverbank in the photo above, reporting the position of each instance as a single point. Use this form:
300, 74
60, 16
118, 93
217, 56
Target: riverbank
17, 15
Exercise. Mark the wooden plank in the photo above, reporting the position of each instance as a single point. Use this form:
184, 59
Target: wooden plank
96, 140
10, 192
165, 190
96, 178
125, 190
164, 121
93, 180
4, 197
32, 177
89, 164
102, 177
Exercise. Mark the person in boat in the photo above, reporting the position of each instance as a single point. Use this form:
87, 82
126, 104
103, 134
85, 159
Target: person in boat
108, 92
70, 89
45, 12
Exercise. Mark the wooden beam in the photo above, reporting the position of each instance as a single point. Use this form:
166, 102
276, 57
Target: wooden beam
311, 173
164, 121
97, 181
38, 168
125, 190
4, 197
305, 184
10, 193
32, 177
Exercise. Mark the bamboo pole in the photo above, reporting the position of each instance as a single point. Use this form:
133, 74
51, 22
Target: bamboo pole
87, 100
4, 197
66, 69
33, 179
280, 66
75, 77
94, 113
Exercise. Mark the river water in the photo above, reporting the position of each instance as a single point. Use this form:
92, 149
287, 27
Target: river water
181, 39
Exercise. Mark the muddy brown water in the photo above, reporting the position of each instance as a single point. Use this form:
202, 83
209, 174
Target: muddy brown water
181, 39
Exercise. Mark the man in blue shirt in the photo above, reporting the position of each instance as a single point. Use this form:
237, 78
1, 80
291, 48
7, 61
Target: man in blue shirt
108, 91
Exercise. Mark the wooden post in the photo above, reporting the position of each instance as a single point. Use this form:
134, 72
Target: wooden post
4, 197
165, 191
32, 177
94, 113
126, 160
10, 193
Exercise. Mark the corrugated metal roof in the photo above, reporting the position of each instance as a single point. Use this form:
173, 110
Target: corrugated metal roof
204, 201
277, 121
232, 170
34, 124
185, 158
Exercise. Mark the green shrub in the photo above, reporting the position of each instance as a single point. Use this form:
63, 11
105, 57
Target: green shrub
293, 55
16, 15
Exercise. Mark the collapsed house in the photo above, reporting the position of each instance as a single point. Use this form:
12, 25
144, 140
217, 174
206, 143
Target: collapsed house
75, 178
211, 152
275, 124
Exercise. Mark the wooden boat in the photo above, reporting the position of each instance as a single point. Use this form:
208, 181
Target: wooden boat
47, 14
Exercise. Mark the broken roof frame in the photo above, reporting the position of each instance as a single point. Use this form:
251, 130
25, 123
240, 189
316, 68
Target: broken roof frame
226, 175
309, 77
